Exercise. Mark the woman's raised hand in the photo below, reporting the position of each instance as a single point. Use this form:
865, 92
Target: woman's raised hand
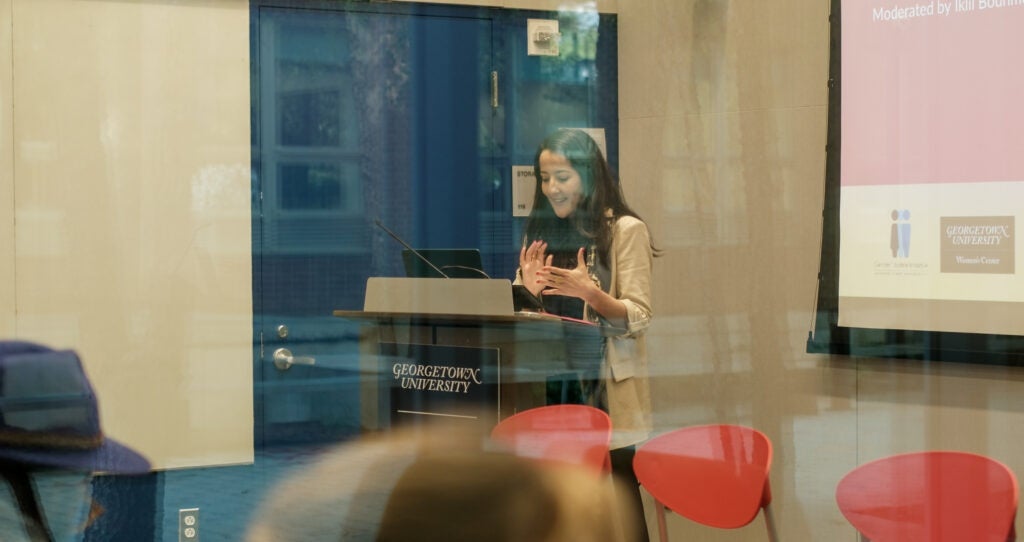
532, 259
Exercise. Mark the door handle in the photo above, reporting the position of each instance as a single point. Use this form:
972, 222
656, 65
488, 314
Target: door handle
494, 90
283, 359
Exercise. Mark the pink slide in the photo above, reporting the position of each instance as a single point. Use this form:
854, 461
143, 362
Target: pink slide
932, 91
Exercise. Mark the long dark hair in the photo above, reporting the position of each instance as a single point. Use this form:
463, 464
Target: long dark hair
601, 192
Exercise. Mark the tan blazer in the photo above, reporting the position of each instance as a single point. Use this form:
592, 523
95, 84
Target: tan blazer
625, 368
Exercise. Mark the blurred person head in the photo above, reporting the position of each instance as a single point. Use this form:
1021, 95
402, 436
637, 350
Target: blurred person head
498, 497
441, 486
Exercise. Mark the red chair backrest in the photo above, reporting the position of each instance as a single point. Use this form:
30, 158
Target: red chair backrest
716, 475
930, 496
568, 433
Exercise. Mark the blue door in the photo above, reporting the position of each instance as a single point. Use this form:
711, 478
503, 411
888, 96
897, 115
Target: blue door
362, 113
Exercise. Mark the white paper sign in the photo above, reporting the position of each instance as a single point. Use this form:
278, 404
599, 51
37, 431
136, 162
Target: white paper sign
542, 37
524, 183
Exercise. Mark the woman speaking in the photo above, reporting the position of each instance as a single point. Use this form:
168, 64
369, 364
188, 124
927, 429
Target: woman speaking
587, 255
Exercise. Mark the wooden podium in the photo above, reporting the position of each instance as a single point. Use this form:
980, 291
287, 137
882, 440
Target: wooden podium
453, 348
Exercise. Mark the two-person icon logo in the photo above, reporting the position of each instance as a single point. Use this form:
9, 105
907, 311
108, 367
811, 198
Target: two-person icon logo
899, 239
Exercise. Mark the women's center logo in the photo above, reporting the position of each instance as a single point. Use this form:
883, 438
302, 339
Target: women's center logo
977, 244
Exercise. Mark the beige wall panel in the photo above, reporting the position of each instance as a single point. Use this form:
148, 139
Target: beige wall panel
7, 267
699, 56
735, 203
133, 243
908, 406
723, 124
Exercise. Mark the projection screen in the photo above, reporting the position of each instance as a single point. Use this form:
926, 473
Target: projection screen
932, 165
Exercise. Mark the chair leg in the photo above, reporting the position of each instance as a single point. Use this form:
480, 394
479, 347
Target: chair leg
617, 519
662, 526
769, 522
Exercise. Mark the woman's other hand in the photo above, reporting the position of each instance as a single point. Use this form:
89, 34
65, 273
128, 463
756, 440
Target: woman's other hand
574, 282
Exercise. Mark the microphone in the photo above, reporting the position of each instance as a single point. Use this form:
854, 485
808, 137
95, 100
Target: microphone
413, 250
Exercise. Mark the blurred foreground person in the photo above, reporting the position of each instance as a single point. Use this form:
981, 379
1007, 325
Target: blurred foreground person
50, 424
445, 486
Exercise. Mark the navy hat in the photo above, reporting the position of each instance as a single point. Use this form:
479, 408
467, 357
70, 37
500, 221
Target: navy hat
49, 416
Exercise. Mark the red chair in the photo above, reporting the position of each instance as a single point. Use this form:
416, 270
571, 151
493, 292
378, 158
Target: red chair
716, 475
930, 497
568, 433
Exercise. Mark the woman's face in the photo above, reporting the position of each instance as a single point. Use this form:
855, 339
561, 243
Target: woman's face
560, 183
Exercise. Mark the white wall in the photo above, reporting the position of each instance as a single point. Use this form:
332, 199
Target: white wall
132, 239
6, 175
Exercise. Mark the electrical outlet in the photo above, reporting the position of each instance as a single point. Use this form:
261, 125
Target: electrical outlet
188, 525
